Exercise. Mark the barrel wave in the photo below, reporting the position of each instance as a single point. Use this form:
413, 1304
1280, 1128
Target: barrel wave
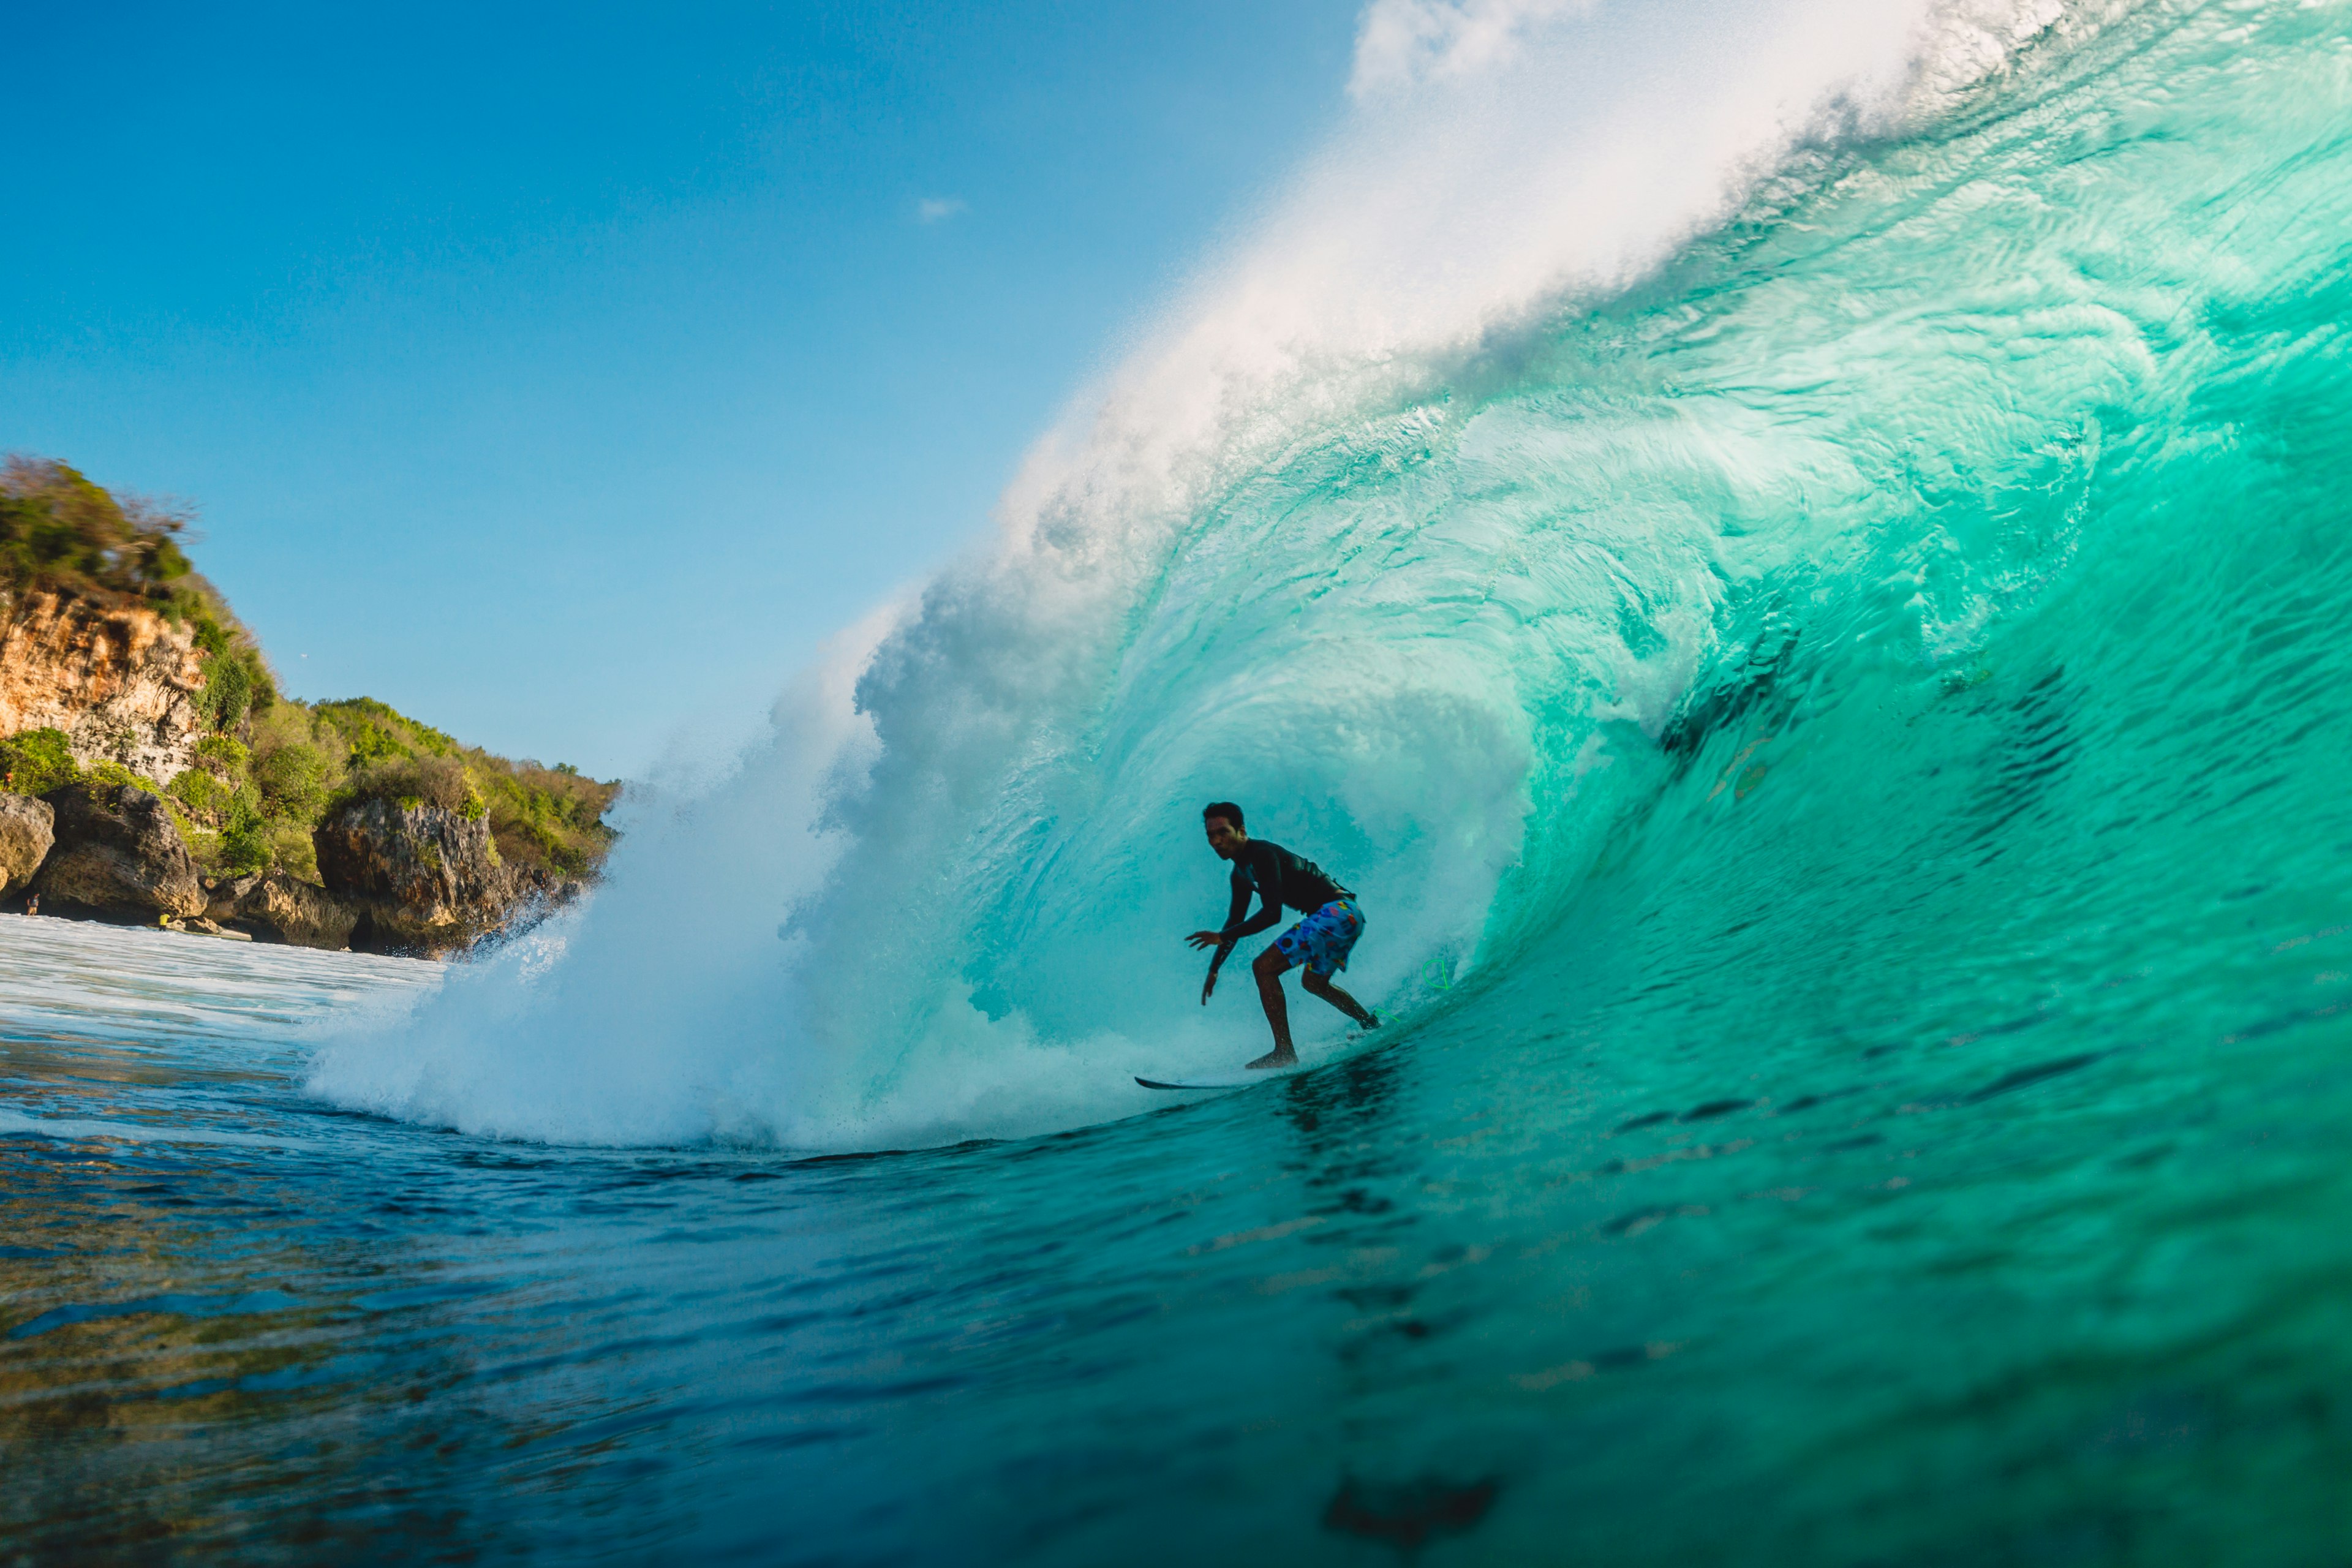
1796, 556
1779, 453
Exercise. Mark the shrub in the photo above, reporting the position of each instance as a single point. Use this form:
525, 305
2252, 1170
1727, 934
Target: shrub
293, 782
290, 847
236, 677
412, 782
245, 842
228, 690
224, 756
116, 774
35, 762
548, 816
204, 795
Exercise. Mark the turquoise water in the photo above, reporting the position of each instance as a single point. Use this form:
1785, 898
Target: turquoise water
1840, 745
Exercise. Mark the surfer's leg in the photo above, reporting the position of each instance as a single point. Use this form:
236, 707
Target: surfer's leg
1321, 985
1320, 944
1268, 967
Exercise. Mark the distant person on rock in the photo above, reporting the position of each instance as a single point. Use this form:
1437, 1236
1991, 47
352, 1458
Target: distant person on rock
32, 903
1321, 941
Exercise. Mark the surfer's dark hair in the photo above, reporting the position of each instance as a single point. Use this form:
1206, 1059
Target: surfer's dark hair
1225, 809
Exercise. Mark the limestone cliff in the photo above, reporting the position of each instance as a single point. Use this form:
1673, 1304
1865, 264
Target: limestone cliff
119, 681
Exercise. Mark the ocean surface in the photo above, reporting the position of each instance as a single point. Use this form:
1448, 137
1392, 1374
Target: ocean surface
1830, 676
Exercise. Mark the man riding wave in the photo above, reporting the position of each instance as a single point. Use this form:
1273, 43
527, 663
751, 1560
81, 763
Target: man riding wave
1321, 941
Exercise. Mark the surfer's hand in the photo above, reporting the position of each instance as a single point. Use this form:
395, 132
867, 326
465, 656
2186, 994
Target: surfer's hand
1205, 938
1209, 986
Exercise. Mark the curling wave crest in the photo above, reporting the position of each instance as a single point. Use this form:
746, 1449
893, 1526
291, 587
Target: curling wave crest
1616, 374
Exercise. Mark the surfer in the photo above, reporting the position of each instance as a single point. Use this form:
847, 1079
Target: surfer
1321, 941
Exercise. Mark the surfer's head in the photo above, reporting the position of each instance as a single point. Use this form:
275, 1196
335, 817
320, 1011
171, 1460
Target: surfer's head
1223, 819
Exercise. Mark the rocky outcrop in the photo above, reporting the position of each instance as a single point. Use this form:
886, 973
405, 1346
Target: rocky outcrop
436, 861
275, 907
28, 829
120, 682
118, 855
424, 880
414, 880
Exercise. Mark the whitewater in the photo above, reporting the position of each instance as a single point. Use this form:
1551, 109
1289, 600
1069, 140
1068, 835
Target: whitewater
1794, 554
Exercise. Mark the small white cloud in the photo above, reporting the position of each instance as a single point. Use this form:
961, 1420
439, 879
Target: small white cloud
1401, 43
939, 209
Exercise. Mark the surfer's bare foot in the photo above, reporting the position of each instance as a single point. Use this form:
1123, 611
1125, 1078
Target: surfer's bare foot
1281, 1058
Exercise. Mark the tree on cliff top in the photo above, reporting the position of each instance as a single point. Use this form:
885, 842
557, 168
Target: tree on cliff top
60, 530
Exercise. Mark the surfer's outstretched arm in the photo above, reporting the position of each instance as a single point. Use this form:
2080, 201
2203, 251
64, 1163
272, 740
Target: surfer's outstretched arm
1234, 929
1209, 985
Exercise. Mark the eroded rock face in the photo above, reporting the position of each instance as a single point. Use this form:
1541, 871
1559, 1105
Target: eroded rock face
423, 878
221, 895
276, 907
118, 855
120, 682
28, 829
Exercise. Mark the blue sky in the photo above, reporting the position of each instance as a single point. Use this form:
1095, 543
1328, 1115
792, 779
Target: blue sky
563, 376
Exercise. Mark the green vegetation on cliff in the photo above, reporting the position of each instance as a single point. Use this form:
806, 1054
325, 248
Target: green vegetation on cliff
37, 761
538, 815
252, 804
60, 531
269, 768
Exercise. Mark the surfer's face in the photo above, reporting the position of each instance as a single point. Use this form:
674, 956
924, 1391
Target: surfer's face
1224, 838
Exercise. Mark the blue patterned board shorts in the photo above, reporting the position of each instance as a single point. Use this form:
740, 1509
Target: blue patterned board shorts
1322, 941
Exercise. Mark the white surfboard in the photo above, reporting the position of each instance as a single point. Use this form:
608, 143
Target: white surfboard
1241, 1079
1358, 1043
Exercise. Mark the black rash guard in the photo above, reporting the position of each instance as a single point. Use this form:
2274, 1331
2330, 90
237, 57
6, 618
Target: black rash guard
1280, 877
